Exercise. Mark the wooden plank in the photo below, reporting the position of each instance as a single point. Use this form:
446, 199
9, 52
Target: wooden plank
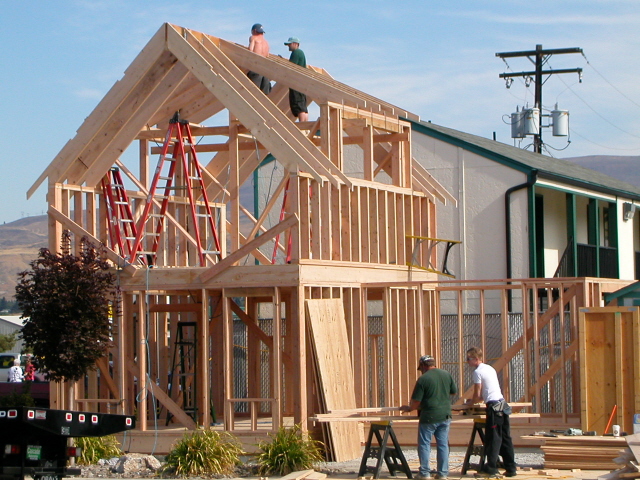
326, 322
297, 475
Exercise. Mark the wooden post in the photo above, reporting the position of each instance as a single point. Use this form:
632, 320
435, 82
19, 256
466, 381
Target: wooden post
203, 375
276, 357
234, 183
227, 338
142, 361
299, 357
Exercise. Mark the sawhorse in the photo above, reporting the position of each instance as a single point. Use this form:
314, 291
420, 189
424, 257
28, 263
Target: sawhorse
479, 425
391, 454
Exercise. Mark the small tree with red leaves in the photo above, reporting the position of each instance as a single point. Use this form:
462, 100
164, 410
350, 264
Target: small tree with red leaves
66, 301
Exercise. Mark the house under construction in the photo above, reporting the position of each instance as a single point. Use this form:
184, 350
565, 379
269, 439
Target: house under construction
269, 270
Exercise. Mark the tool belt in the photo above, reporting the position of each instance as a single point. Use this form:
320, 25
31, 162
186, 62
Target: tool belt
501, 407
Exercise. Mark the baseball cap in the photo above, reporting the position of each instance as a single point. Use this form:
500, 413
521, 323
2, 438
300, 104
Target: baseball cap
424, 359
257, 28
292, 40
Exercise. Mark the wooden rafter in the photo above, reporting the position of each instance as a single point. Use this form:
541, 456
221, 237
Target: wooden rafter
319, 86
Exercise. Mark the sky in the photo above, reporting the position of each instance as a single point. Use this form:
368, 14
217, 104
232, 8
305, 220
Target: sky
433, 58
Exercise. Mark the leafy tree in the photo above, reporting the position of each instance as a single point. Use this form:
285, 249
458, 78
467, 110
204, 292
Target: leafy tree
65, 299
8, 341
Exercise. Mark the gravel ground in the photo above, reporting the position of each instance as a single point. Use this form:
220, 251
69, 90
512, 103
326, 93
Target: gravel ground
524, 458
530, 457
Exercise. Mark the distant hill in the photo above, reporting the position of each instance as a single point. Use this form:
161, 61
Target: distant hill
625, 168
19, 245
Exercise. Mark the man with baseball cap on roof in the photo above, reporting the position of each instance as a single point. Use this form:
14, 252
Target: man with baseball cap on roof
432, 398
297, 100
258, 44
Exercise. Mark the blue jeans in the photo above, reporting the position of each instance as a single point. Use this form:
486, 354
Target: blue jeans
441, 432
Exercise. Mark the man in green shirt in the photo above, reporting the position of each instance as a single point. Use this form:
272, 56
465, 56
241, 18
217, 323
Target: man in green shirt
297, 100
432, 397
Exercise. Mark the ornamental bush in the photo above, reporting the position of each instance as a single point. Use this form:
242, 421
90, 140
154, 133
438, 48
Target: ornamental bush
204, 453
66, 301
96, 448
288, 451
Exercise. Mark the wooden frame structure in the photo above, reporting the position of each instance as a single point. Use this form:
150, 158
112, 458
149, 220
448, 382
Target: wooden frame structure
349, 192
611, 364
348, 202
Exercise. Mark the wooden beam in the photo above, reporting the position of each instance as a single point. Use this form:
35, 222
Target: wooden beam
57, 215
170, 217
229, 260
268, 207
122, 130
238, 96
101, 363
165, 400
422, 175
298, 140
317, 85
103, 111
376, 120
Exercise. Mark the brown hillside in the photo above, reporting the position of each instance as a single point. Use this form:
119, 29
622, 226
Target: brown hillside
19, 245
622, 167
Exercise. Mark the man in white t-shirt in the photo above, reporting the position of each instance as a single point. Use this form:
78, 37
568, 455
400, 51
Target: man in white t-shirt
497, 438
15, 372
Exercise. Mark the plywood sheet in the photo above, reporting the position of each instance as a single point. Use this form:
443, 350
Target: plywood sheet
609, 373
326, 321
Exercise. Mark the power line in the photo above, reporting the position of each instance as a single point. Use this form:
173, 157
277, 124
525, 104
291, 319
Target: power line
598, 114
603, 146
610, 84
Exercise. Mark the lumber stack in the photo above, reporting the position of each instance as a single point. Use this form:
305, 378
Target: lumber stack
586, 453
627, 460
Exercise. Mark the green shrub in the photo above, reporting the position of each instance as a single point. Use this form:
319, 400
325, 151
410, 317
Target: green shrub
15, 399
96, 448
288, 451
204, 453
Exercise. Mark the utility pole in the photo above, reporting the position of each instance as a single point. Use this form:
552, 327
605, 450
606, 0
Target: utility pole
539, 58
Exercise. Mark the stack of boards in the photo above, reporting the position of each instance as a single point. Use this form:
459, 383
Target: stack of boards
585, 453
627, 461
328, 329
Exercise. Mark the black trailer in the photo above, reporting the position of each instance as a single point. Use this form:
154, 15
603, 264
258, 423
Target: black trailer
34, 440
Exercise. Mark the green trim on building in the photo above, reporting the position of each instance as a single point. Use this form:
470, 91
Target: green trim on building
593, 229
549, 168
572, 230
533, 250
